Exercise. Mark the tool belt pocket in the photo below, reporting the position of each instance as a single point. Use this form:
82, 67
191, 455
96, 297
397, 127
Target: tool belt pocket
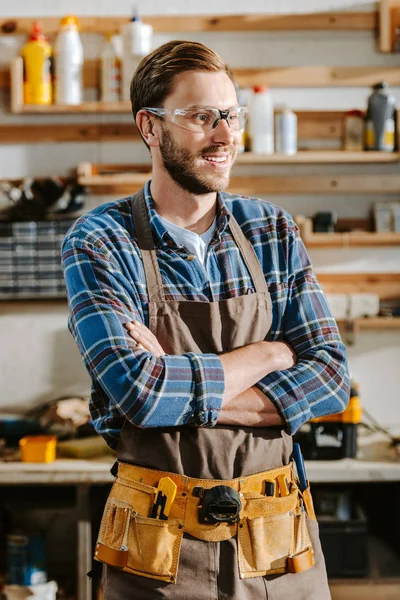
272, 535
132, 541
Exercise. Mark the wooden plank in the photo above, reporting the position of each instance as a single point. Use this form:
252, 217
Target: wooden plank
319, 157
17, 85
32, 134
384, 26
365, 591
352, 238
326, 125
316, 184
293, 77
274, 184
385, 285
334, 21
318, 76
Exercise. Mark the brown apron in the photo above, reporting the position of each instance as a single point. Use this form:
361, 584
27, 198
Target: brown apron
209, 570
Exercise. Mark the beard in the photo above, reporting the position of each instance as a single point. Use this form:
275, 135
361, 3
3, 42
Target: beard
181, 165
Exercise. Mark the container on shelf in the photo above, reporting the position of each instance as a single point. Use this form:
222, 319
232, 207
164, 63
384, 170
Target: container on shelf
68, 57
137, 40
261, 121
37, 61
38, 448
354, 131
110, 61
380, 119
285, 131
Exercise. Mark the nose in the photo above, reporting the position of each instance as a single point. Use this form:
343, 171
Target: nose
222, 134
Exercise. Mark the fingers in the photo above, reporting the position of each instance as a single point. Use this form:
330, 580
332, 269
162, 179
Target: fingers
145, 338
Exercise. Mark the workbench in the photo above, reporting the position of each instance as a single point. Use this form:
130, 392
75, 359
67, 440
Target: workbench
86, 473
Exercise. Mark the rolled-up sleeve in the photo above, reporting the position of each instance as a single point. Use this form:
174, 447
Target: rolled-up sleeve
319, 382
149, 392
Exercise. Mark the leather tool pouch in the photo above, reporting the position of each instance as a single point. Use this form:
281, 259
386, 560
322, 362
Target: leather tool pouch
132, 541
273, 535
272, 532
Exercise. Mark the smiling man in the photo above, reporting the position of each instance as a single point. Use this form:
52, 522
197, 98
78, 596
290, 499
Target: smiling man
209, 342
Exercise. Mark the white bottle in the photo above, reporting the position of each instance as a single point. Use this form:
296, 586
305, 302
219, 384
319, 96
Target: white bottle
110, 80
137, 40
285, 131
261, 121
68, 53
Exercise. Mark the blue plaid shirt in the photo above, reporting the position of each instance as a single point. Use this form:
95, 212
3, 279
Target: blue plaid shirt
106, 289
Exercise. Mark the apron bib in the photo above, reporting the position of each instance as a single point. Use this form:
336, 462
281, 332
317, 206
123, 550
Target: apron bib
209, 569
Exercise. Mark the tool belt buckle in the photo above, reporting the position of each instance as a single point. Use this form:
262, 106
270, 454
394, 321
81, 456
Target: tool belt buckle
219, 504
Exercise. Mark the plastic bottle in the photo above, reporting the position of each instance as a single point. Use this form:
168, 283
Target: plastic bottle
261, 121
68, 63
110, 83
380, 120
136, 41
286, 131
37, 57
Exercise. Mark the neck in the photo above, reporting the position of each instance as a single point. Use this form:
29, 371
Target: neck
182, 208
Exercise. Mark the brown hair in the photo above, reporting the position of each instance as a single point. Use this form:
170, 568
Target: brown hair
154, 78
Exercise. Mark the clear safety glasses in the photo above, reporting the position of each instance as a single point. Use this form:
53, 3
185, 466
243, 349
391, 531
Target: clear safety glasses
203, 120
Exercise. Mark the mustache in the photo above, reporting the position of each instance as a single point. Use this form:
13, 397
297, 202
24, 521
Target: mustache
216, 149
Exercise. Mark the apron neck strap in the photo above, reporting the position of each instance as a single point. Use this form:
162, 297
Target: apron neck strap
153, 277
145, 240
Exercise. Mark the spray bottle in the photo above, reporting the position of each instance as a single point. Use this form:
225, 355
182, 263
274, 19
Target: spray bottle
37, 59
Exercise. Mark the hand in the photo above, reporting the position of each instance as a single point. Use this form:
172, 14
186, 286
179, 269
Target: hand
144, 338
284, 355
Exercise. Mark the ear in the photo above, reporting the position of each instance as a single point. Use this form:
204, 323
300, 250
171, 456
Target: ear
147, 127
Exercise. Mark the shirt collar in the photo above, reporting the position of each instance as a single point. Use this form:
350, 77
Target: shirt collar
161, 237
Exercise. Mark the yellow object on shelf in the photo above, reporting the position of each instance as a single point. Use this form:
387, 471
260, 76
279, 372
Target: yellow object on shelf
37, 57
38, 448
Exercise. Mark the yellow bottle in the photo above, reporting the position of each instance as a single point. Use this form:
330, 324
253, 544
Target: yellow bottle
37, 57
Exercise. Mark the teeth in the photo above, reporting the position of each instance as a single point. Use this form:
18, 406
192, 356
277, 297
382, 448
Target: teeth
218, 159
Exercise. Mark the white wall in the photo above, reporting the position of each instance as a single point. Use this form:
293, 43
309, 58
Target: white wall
38, 359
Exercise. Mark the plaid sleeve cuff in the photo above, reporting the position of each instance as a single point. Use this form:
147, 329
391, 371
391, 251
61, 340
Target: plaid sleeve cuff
208, 375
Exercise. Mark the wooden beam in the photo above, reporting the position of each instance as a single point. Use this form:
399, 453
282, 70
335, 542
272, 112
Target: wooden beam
316, 184
32, 134
385, 285
367, 590
255, 186
292, 77
334, 21
317, 76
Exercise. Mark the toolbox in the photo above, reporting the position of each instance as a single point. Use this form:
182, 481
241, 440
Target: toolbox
334, 436
343, 530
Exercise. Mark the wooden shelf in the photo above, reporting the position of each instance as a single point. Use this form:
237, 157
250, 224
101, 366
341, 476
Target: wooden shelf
389, 21
343, 239
127, 179
290, 77
85, 107
387, 323
325, 21
320, 156
384, 285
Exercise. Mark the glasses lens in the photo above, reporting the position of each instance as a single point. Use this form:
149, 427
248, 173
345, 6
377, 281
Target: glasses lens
237, 118
197, 119
204, 119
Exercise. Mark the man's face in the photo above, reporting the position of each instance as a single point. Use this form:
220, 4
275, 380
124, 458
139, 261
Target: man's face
200, 162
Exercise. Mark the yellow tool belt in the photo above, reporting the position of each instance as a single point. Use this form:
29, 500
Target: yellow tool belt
271, 532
